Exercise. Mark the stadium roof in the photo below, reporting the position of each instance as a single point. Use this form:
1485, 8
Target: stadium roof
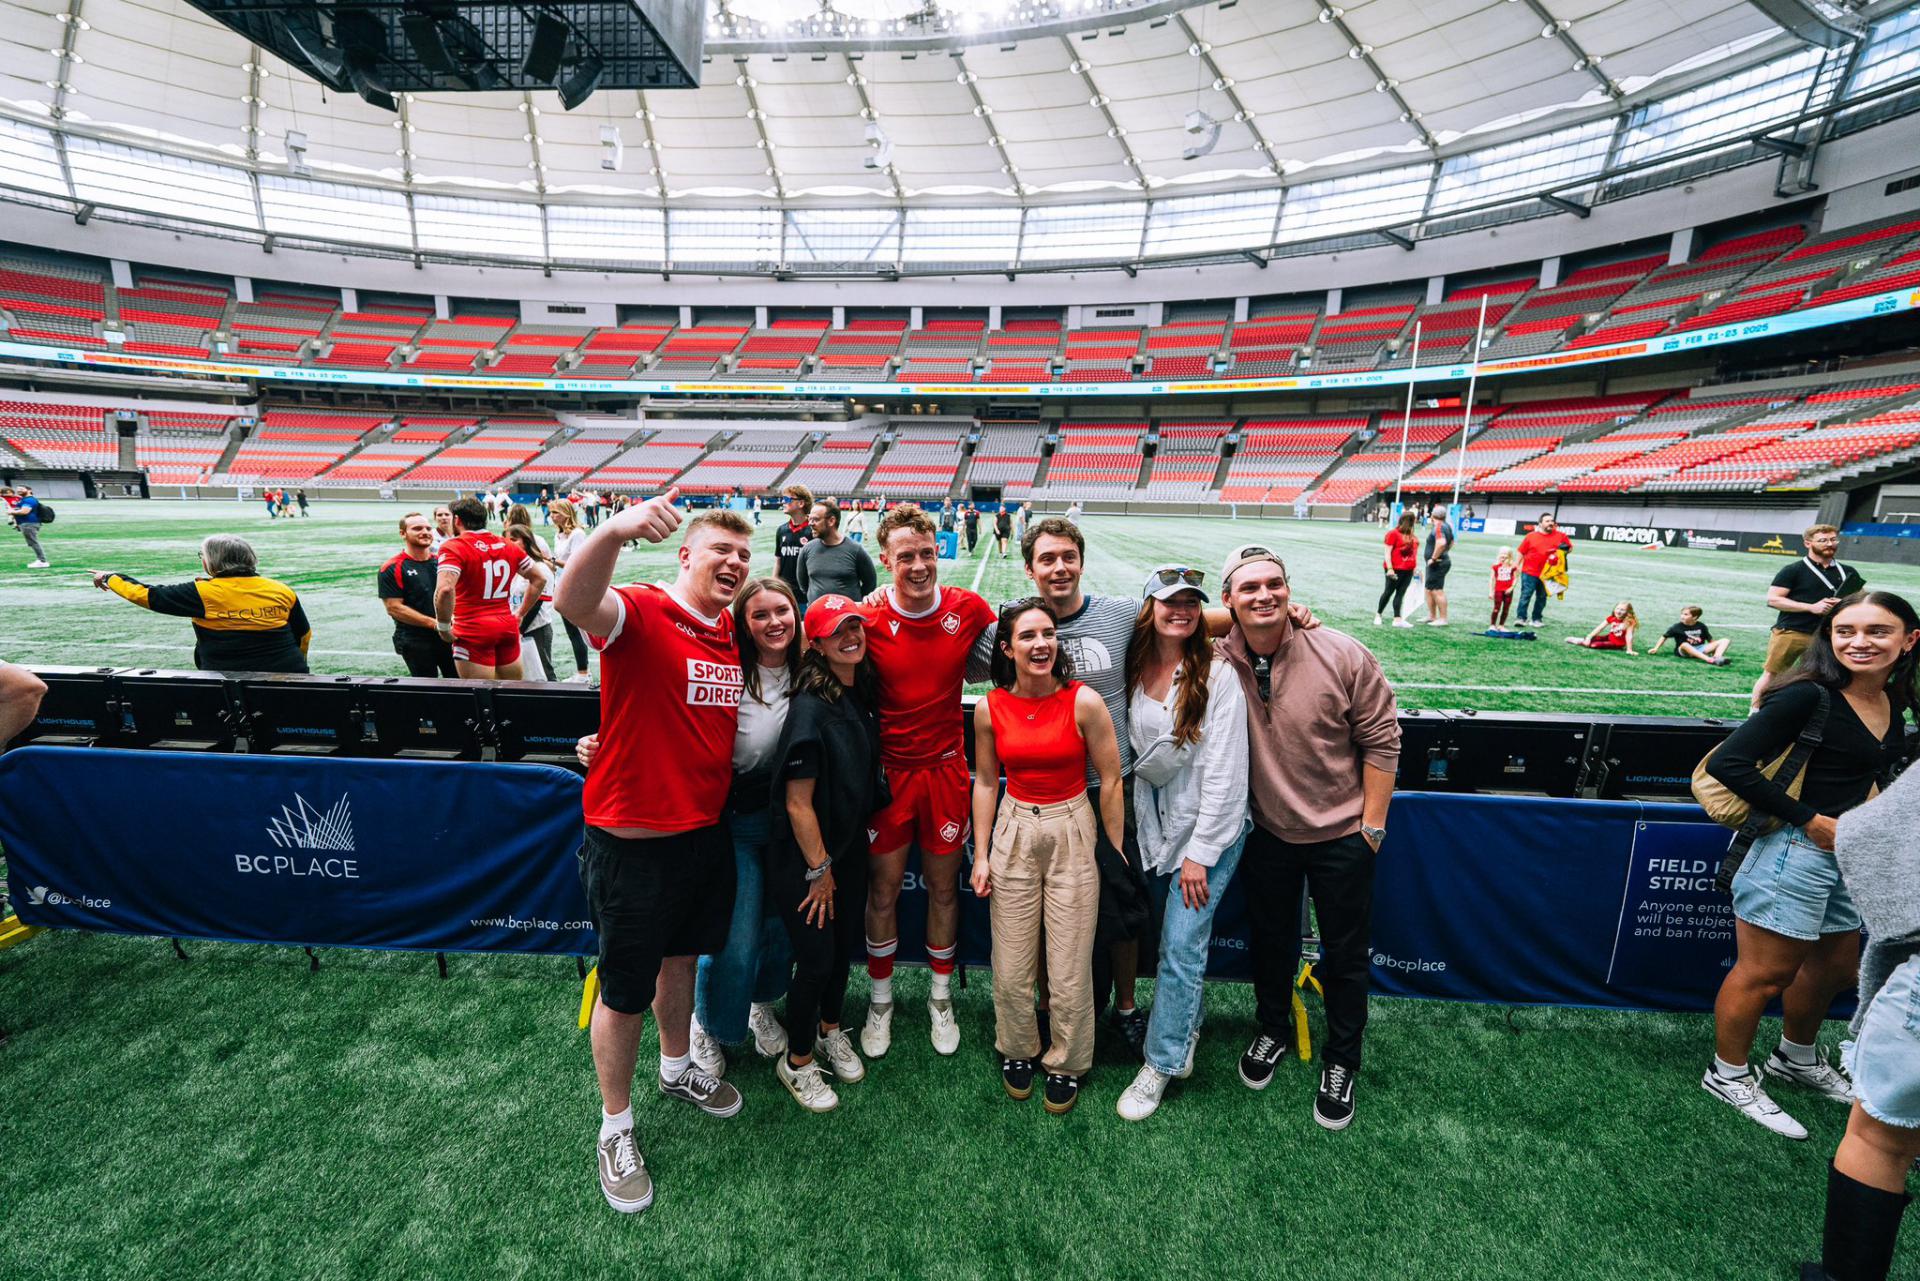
976, 103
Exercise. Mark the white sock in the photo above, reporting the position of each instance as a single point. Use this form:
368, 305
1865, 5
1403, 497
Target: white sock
673, 1067
1794, 1052
611, 1123
1729, 1071
942, 987
882, 991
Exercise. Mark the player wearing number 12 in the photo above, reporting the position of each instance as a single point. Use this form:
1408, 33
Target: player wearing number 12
470, 600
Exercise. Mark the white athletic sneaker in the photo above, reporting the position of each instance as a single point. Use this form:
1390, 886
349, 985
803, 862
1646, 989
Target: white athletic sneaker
1750, 1097
836, 1047
1819, 1076
808, 1085
1141, 1099
705, 1051
946, 1029
1401, 622
39, 564
1436, 622
1377, 620
877, 1036
769, 1038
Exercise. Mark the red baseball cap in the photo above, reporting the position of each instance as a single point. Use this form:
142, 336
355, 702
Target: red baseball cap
829, 614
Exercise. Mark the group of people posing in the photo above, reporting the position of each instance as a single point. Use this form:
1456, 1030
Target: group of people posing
814, 743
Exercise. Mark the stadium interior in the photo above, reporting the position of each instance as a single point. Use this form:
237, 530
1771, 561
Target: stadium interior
1194, 272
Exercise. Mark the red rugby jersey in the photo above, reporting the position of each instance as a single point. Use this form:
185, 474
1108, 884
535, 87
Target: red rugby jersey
486, 566
922, 665
669, 706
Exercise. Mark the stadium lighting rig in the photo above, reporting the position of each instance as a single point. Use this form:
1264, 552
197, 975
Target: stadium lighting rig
380, 49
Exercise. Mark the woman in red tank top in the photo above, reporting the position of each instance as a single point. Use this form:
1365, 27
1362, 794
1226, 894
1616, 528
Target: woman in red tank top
1038, 869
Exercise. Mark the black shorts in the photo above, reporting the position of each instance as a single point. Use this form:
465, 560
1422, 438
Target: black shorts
651, 899
1437, 575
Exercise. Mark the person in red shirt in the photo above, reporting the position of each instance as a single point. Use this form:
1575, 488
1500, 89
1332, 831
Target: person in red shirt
470, 598
1500, 590
1402, 554
919, 637
657, 862
1535, 549
1615, 633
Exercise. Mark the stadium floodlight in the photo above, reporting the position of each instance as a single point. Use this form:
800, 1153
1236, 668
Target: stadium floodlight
880, 146
297, 154
1206, 129
612, 150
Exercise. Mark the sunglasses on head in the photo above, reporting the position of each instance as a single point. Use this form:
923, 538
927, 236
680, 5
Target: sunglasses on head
1180, 574
1254, 549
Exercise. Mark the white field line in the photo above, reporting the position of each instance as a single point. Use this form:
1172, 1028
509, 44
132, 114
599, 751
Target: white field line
1568, 689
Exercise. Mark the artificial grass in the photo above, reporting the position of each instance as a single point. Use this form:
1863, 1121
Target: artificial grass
55, 616
237, 1115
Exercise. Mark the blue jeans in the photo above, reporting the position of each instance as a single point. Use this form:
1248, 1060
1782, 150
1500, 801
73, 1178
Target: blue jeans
1531, 589
1186, 933
754, 965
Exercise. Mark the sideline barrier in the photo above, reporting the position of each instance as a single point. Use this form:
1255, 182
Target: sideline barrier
1515, 900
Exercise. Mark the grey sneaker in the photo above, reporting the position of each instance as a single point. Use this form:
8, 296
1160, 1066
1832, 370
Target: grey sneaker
836, 1047
708, 1093
705, 1051
769, 1038
624, 1180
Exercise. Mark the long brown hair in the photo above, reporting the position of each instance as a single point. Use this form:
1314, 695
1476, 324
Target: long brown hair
817, 678
1196, 664
529, 543
743, 635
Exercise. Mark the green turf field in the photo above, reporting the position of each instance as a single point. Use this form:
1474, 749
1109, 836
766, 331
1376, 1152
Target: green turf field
55, 616
238, 1115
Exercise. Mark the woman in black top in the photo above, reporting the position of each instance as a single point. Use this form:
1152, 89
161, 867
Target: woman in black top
1796, 930
826, 785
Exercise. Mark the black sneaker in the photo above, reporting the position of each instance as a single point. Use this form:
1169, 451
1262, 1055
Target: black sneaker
1063, 1092
1132, 1025
1333, 1106
1017, 1076
1257, 1064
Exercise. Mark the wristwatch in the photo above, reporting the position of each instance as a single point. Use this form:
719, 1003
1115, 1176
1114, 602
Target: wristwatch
1374, 835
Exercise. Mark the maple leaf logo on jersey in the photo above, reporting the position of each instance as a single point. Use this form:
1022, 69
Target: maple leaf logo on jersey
950, 624
950, 830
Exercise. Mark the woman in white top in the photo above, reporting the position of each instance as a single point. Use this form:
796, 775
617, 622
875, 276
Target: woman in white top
536, 648
568, 538
735, 988
1187, 718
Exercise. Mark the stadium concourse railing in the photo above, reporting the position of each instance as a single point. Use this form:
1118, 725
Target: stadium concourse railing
1454, 751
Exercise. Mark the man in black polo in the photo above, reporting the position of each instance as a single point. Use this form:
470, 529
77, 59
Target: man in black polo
406, 589
1804, 592
792, 536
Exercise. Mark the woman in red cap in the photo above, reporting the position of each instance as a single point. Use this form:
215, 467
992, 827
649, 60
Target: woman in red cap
827, 780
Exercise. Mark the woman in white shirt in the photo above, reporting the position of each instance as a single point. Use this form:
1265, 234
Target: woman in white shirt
568, 538
1187, 718
536, 648
735, 988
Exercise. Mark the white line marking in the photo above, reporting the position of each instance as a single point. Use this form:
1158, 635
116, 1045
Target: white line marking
1567, 689
184, 649
980, 573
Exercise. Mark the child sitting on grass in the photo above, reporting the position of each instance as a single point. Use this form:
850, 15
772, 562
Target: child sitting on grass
1615, 633
1691, 639
1505, 572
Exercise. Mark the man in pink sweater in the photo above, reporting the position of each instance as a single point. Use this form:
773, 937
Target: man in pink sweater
1324, 744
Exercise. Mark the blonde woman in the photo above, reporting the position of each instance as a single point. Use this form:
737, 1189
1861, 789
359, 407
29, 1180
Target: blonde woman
568, 537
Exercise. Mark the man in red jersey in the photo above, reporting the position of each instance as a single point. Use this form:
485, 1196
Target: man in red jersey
470, 599
919, 635
657, 861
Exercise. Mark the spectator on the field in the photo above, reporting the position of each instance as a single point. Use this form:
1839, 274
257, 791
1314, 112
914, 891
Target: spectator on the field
1438, 555
442, 526
1324, 741
946, 516
1535, 549
20, 695
1020, 522
1796, 928
857, 527
567, 539
1804, 592
1399, 560
1616, 631
1003, 529
272, 499
833, 564
536, 625
1691, 639
1500, 586
241, 621
24, 510
300, 496
546, 501
794, 535
1867, 1181
971, 520
406, 585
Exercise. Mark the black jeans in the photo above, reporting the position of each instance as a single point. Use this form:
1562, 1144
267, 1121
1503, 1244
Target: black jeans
822, 957
577, 639
542, 639
1339, 874
429, 656
1395, 591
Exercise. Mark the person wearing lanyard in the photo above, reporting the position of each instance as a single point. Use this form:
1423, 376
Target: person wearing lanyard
1038, 870
1187, 717
1804, 592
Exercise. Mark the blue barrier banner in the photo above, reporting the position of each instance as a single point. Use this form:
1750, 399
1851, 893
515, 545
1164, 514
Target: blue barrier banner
419, 855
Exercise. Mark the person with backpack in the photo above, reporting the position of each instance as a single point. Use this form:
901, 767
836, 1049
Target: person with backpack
1796, 930
28, 515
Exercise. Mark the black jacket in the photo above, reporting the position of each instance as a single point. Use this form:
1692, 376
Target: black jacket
787, 542
837, 745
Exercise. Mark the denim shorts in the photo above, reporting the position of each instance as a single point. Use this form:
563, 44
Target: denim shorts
1791, 887
1885, 1063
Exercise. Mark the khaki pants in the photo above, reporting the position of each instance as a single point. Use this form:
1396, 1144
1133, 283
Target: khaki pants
1044, 875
